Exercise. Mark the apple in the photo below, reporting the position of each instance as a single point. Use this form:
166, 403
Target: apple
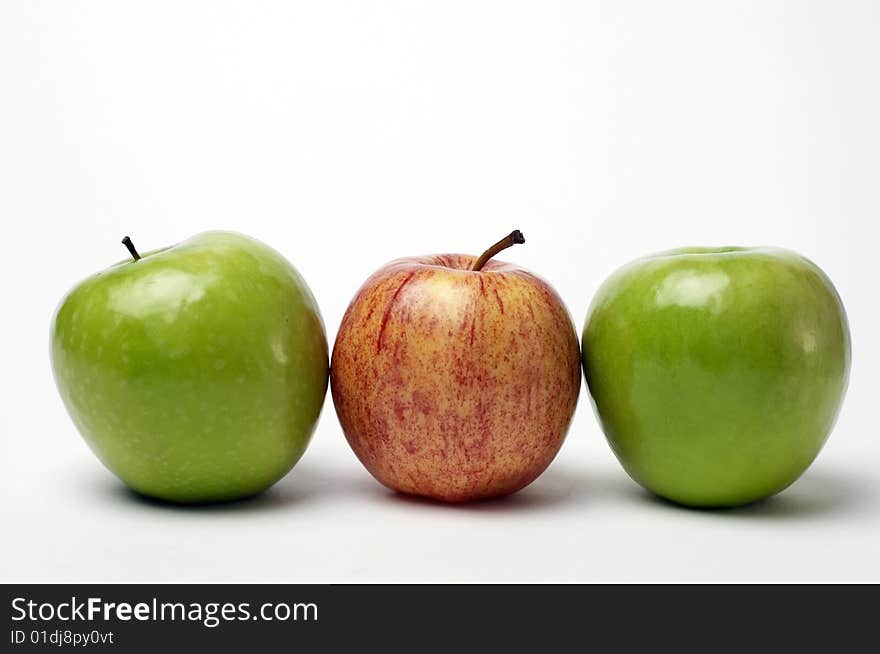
456, 377
717, 374
195, 373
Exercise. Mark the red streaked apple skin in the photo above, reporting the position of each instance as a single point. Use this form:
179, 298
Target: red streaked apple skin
454, 384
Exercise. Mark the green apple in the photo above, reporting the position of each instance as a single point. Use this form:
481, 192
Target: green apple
717, 374
196, 373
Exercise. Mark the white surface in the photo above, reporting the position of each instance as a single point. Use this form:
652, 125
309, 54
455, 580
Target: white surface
346, 134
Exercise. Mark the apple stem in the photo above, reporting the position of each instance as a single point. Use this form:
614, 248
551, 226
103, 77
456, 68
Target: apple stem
515, 237
127, 243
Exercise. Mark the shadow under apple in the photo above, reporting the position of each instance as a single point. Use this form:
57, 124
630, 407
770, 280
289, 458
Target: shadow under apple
301, 484
818, 493
559, 486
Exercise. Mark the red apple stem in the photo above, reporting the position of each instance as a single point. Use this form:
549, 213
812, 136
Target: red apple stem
134, 253
515, 237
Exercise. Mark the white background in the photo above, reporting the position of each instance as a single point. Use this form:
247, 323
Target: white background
346, 134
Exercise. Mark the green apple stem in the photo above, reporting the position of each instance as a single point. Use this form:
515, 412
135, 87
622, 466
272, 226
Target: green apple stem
515, 237
127, 243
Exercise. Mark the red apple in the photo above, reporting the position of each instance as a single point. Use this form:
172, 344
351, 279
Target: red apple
456, 377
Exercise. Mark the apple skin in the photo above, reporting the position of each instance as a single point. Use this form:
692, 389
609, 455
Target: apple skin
454, 384
717, 374
197, 373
